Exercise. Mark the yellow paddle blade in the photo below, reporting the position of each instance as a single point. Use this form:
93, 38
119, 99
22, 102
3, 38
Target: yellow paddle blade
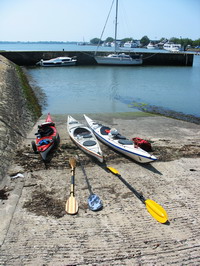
72, 163
71, 205
113, 170
156, 211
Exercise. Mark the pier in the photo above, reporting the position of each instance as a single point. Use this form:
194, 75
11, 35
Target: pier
30, 58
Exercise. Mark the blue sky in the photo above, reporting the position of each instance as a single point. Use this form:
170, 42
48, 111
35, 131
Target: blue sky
78, 20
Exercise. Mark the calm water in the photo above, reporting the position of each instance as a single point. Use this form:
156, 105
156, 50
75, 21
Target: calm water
50, 47
99, 89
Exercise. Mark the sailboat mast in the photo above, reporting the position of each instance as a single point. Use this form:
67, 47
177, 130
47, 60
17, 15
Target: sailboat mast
116, 17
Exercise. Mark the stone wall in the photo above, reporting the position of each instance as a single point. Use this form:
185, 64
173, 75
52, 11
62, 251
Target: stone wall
18, 111
30, 58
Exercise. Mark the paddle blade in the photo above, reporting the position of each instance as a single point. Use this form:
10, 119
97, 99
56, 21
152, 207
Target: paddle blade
94, 203
72, 163
71, 205
156, 211
113, 170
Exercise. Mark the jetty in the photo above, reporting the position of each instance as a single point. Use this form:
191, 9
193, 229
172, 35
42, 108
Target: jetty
30, 58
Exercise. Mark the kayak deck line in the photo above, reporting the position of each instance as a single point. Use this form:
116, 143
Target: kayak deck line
117, 147
112, 138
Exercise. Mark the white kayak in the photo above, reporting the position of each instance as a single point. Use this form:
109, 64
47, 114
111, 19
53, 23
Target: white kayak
120, 143
84, 138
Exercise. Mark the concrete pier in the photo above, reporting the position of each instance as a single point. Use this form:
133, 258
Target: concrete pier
30, 58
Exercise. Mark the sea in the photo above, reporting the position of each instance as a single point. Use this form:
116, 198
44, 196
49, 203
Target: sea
169, 90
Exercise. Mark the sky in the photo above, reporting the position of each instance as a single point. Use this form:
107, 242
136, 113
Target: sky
83, 20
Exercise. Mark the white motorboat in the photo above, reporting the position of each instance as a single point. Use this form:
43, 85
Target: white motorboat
118, 58
58, 61
151, 46
84, 138
130, 45
112, 138
173, 47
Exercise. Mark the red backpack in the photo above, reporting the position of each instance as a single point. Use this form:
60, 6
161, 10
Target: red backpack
143, 144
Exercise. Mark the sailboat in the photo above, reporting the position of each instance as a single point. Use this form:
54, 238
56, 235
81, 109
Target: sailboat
118, 58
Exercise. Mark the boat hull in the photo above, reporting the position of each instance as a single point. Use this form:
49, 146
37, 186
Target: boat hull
57, 62
129, 149
46, 140
104, 60
84, 138
43, 64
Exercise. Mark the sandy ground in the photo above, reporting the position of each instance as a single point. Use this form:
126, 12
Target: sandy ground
35, 230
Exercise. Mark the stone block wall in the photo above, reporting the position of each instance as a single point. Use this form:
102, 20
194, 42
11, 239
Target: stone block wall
16, 116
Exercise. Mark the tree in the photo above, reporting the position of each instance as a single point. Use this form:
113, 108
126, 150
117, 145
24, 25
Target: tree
109, 39
196, 42
95, 41
144, 41
127, 40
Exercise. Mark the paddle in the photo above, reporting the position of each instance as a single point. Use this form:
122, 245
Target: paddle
71, 204
153, 208
94, 202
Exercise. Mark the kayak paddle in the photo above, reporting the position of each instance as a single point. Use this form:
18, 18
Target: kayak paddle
153, 208
71, 204
94, 202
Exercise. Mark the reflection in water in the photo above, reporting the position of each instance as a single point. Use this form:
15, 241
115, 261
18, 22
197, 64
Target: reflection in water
113, 88
98, 89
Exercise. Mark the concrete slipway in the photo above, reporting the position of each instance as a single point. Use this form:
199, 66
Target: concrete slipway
35, 230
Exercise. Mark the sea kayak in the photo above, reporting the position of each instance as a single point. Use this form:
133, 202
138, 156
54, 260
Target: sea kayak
113, 139
47, 138
84, 138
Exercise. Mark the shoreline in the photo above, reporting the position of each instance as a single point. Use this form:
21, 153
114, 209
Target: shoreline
128, 115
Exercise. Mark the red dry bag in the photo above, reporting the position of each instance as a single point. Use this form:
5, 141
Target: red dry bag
143, 144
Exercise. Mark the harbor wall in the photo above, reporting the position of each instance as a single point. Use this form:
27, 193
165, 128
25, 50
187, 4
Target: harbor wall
30, 58
19, 110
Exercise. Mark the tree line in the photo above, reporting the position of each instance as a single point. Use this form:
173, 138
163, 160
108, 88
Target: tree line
145, 40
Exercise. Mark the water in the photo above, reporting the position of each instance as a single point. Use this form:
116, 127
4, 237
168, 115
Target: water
103, 89
99, 89
20, 46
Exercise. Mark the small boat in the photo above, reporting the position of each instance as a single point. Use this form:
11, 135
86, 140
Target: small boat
173, 47
130, 44
57, 62
84, 138
112, 138
151, 46
47, 138
119, 59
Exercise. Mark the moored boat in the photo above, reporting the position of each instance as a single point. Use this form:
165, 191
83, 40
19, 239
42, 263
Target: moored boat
112, 138
119, 59
130, 44
84, 138
58, 61
173, 47
151, 46
47, 138
116, 58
